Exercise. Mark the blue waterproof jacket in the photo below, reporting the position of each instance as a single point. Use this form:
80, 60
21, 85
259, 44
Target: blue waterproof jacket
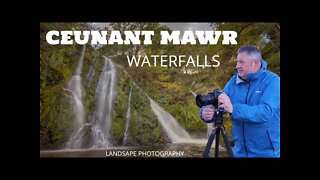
256, 114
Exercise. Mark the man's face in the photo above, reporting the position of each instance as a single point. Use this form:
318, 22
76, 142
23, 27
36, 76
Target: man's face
244, 65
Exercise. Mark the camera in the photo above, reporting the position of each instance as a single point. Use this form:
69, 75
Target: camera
210, 98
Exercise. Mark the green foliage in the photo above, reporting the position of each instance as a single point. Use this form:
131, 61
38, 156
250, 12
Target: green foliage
120, 107
274, 63
55, 118
144, 128
170, 87
57, 65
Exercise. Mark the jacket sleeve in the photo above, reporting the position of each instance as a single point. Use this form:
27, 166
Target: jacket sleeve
268, 105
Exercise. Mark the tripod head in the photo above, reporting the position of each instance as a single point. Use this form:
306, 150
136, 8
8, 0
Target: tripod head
218, 116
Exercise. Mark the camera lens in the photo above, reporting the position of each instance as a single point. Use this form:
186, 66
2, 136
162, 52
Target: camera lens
210, 98
199, 100
203, 100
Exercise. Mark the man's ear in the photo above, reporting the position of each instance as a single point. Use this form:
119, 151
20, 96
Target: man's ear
256, 62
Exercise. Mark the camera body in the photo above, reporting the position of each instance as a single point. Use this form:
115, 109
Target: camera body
210, 98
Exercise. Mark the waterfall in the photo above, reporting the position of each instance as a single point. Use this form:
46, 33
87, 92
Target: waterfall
103, 105
176, 133
127, 118
76, 89
91, 72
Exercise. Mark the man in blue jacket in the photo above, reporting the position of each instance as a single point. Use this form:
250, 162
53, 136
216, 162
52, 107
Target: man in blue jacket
252, 97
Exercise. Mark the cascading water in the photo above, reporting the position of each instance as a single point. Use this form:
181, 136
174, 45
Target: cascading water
76, 89
176, 133
91, 72
103, 106
101, 121
128, 119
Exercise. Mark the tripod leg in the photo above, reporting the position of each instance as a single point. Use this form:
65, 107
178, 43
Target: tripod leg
209, 143
216, 149
226, 141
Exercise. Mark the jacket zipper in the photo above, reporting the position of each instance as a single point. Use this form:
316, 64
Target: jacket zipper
244, 139
247, 93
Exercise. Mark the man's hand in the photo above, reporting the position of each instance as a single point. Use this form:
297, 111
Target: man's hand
207, 113
225, 102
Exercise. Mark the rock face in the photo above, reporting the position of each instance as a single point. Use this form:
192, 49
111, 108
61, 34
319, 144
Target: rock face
131, 120
57, 114
143, 127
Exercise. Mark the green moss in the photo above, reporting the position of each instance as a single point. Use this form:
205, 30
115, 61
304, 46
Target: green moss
54, 121
117, 129
57, 65
120, 106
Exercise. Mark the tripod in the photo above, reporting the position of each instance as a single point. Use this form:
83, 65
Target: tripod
218, 127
